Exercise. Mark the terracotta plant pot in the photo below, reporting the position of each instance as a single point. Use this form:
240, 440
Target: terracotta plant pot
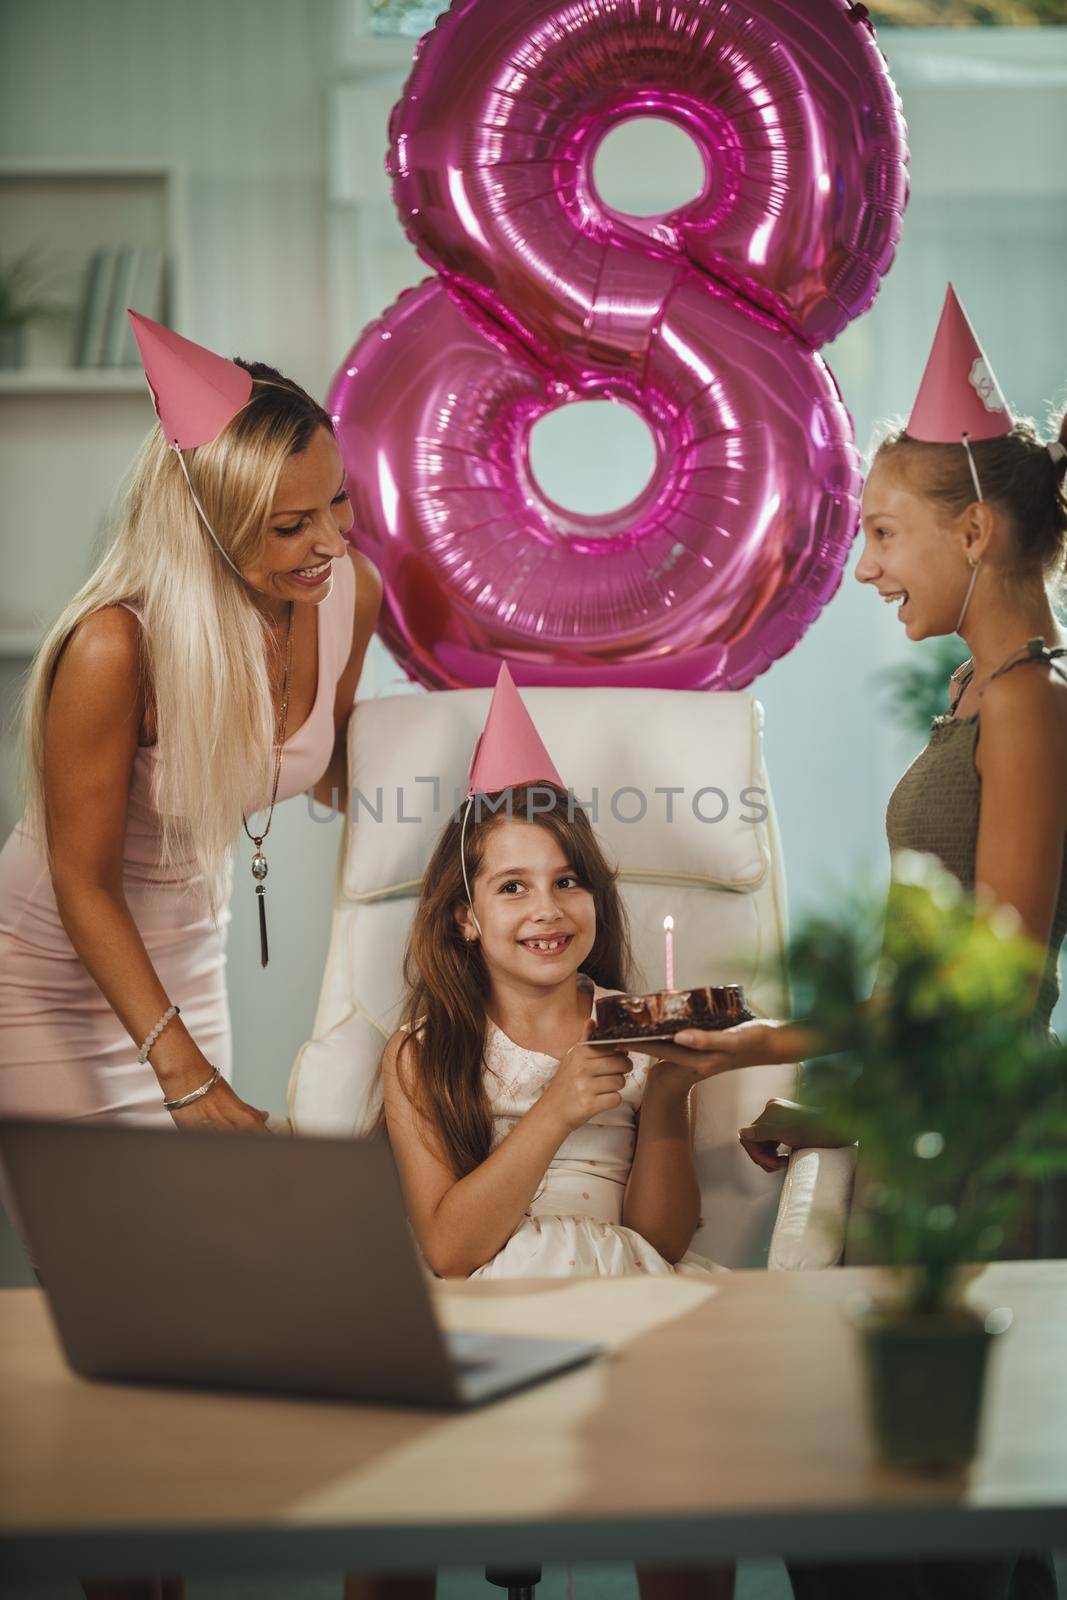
925, 1382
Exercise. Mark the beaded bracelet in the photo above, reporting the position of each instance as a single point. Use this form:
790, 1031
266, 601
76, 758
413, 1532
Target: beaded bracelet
142, 1054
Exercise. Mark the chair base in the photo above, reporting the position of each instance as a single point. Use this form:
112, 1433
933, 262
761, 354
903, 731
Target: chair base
520, 1582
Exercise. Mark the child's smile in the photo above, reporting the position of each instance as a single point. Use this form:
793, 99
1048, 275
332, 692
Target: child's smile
527, 896
548, 947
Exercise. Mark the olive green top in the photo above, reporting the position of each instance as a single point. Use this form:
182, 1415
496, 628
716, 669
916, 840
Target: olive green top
935, 807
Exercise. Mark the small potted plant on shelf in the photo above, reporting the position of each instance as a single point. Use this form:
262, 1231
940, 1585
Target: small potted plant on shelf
23, 301
959, 1106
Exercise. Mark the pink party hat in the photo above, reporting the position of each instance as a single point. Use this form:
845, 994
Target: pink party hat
196, 392
958, 394
509, 749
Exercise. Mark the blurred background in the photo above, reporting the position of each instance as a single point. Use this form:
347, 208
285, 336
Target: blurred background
218, 163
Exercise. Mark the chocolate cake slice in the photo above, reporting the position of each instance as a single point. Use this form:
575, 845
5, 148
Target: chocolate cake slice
639, 1016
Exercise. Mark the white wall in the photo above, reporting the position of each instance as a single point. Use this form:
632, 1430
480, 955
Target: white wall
238, 93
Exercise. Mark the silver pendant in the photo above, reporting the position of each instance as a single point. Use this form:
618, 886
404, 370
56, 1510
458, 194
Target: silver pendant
264, 952
259, 872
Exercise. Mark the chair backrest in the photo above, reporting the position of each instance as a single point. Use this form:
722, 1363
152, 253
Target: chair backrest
676, 788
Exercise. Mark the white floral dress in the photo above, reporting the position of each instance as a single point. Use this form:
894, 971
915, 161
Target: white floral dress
574, 1225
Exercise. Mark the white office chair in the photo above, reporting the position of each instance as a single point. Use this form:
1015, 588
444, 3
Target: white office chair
684, 806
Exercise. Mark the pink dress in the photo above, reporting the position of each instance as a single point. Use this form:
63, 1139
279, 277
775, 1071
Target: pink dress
63, 1051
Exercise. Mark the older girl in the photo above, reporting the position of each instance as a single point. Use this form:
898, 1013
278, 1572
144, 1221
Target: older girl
965, 526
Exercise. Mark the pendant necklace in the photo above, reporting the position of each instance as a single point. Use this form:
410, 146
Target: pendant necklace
259, 860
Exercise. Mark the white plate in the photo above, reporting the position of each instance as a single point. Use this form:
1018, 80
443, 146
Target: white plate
665, 1038
642, 1038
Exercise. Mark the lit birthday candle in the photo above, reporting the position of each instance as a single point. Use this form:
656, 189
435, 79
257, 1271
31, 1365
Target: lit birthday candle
668, 935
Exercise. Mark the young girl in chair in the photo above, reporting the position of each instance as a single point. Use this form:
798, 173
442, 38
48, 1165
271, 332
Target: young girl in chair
522, 1149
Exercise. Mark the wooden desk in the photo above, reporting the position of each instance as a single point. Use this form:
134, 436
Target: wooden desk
723, 1422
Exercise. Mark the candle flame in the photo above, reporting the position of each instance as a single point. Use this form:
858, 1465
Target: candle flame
668, 923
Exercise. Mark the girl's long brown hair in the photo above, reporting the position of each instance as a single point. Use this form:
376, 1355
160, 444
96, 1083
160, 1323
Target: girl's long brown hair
447, 979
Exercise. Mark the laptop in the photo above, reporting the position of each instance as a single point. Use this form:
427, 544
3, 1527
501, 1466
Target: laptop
237, 1261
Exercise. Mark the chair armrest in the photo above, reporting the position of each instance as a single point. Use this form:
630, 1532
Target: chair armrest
813, 1210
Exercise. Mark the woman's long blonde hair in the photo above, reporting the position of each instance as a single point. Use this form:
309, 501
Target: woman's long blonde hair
204, 641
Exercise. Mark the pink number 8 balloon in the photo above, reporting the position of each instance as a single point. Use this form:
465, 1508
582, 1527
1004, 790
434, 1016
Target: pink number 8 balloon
705, 320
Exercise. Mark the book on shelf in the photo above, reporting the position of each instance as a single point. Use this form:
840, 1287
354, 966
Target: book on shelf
121, 292
146, 296
98, 284
118, 277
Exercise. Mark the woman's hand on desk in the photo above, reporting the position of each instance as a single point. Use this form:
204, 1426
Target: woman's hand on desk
784, 1122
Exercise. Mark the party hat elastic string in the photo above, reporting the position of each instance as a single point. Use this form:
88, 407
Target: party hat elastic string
967, 597
463, 859
974, 469
203, 514
974, 564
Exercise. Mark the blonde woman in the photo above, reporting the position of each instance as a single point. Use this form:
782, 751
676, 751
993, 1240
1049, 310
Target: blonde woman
205, 672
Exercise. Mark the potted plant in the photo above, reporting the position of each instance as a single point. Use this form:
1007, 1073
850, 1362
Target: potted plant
960, 1109
22, 302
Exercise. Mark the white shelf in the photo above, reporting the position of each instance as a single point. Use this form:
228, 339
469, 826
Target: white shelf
56, 508
70, 210
73, 380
